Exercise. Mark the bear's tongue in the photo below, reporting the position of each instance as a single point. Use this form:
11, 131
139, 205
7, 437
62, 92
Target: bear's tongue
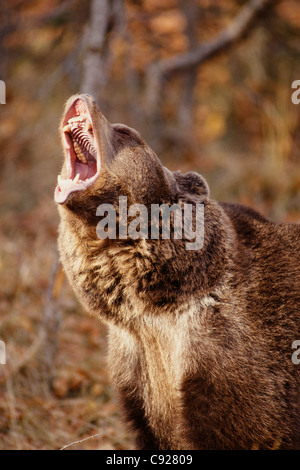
81, 157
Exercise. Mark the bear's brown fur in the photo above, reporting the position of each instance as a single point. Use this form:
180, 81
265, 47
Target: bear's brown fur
199, 340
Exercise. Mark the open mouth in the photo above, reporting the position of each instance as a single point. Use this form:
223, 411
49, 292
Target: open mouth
81, 151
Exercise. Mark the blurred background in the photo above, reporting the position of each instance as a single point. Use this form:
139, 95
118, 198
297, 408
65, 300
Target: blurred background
208, 84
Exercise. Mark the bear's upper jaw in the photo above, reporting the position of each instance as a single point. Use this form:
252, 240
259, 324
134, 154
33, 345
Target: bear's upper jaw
82, 156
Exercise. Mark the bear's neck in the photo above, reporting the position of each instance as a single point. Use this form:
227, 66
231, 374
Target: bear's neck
120, 280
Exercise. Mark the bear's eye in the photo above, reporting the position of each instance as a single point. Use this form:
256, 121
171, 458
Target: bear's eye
124, 132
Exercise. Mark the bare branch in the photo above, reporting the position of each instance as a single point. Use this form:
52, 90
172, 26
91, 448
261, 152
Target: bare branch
191, 12
104, 21
51, 319
229, 35
99, 434
94, 69
186, 61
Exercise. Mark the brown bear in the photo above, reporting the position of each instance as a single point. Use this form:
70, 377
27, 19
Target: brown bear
200, 340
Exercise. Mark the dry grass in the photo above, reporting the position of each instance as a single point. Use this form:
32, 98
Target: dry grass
73, 399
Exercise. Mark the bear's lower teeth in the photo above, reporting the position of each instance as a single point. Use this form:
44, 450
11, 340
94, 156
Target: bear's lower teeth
79, 154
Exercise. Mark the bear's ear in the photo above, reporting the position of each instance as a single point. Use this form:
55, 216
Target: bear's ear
191, 185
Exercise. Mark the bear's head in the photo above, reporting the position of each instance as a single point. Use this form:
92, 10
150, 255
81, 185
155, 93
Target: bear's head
104, 161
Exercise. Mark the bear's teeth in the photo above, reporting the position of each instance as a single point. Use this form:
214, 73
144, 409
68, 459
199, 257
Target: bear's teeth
68, 181
76, 119
80, 155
